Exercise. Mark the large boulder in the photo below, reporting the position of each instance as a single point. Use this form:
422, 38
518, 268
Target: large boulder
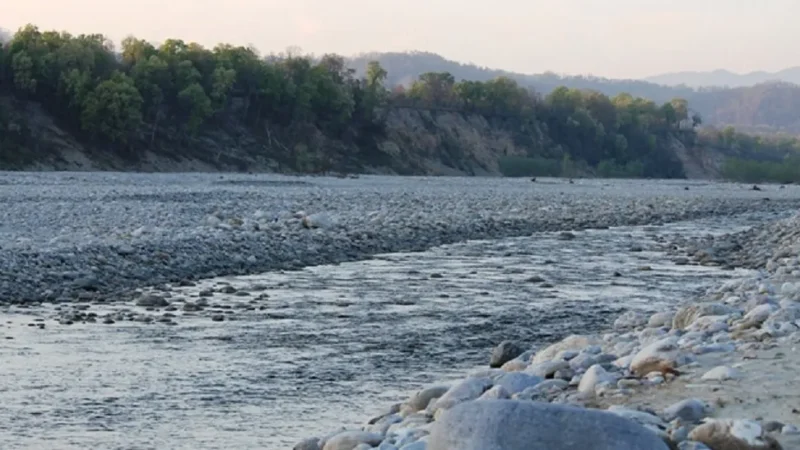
516, 425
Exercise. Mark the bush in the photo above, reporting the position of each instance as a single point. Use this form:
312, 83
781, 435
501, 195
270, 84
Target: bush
611, 169
521, 166
787, 171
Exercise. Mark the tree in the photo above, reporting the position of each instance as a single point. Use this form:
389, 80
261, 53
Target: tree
195, 105
113, 109
376, 75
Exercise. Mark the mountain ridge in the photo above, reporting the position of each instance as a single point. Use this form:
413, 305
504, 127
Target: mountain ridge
764, 107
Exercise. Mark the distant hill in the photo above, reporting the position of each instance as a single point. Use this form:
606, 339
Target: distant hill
405, 67
725, 78
762, 106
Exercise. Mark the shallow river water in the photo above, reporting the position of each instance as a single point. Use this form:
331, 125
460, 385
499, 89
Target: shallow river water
327, 346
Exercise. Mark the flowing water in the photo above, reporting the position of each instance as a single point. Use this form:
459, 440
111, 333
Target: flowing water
328, 346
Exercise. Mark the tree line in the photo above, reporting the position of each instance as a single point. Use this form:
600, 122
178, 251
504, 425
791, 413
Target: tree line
127, 98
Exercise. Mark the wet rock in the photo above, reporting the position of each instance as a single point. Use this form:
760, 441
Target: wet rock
504, 352
514, 425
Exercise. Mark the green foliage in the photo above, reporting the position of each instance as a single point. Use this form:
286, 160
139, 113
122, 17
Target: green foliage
763, 147
611, 169
750, 171
113, 111
188, 89
520, 166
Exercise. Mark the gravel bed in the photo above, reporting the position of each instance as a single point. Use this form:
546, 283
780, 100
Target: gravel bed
66, 235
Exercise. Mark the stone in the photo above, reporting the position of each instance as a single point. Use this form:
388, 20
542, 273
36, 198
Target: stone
688, 314
307, 444
514, 382
350, 440
503, 353
515, 425
660, 319
692, 445
583, 361
573, 342
660, 356
420, 400
691, 410
721, 373
468, 389
494, 393
546, 369
593, 377
152, 301
730, 434
630, 319
515, 365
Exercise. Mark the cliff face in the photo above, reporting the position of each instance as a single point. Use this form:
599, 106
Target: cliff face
413, 141
699, 162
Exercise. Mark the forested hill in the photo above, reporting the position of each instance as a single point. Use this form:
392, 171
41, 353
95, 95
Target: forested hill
768, 106
230, 106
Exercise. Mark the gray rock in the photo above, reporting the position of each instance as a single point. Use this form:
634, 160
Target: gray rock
466, 390
152, 301
307, 444
693, 445
691, 410
420, 400
513, 425
514, 382
721, 373
350, 440
504, 352
546, 369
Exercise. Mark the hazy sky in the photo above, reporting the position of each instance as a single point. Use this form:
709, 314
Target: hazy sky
615, 38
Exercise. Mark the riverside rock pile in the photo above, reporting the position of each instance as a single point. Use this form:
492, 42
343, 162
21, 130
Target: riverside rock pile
63, 236
587, 391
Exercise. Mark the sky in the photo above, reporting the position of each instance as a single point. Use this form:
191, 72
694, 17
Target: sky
611, 38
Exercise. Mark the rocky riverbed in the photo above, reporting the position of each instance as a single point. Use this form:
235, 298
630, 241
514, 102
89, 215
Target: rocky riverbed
140, 342
718, 372
102, 234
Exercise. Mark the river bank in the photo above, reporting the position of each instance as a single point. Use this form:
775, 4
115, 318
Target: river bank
718, 372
